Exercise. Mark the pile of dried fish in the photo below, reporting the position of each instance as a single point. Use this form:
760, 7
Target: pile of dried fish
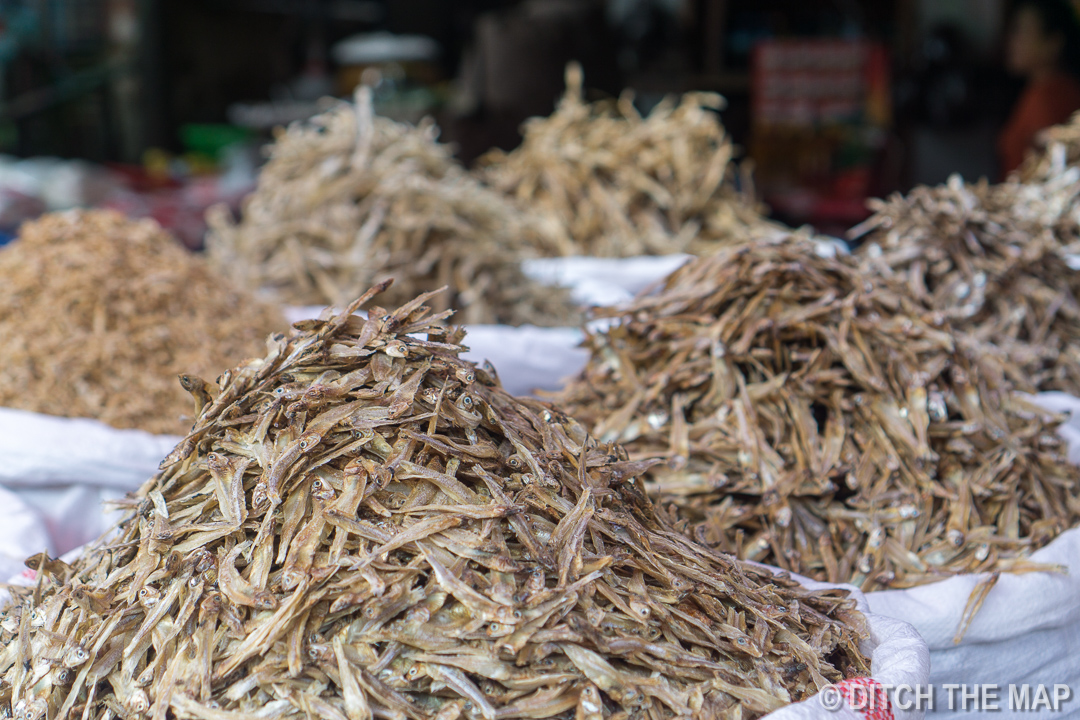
99, 313
611, 183
988, 259
350, 198
814, 418
1059, 149
362, 525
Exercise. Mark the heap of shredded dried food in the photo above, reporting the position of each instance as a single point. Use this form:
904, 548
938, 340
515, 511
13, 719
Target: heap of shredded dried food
98, 315
350, 198
611, 183
988, 258
1059, 149
811, 418
362, 525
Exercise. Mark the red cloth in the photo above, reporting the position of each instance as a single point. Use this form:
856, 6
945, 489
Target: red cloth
1045, 102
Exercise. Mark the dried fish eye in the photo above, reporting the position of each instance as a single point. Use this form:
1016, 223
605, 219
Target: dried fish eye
138, 702
37, 619
413, 672
466, 401
77, 656
514, 461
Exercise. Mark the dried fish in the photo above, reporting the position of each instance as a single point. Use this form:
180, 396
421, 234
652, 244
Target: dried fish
819, 418
98, 315
608, 182
488, 560
1058, 150
349, 199
988, 258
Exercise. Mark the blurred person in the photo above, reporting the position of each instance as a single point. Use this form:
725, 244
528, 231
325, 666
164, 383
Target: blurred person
1043, 46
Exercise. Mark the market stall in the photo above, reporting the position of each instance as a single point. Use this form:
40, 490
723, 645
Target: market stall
584, 430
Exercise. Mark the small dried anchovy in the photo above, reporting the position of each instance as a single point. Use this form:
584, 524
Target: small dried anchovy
1058, 149
817, 418
611, 183
98, 314
988, 258
350, 198
361, 524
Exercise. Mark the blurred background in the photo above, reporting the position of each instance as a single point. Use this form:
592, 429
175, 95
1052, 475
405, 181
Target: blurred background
159, 107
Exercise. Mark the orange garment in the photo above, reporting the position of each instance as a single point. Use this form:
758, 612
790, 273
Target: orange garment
1044, 102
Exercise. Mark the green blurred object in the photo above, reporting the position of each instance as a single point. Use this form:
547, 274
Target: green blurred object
9, 136
212, 138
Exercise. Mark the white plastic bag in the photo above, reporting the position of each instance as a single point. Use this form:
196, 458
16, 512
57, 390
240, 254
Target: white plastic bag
55, 473
603, 282
41, 450
527, 358
1027, 632
22, 533
608, 282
